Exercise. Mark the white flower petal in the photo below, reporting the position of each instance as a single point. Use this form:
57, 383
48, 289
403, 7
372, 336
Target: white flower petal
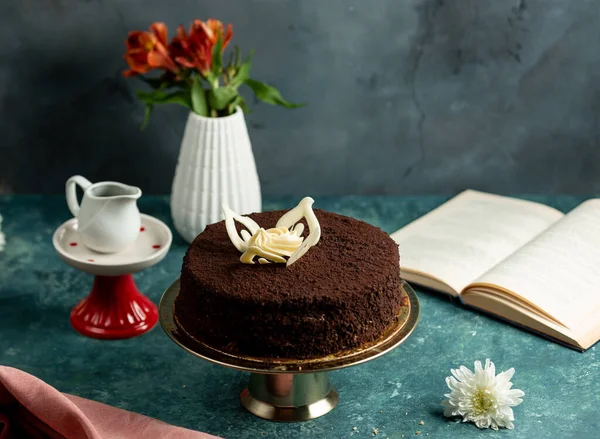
514, 397
484, 423
506, 375
452, 383
462, 374
490, 367
478, 368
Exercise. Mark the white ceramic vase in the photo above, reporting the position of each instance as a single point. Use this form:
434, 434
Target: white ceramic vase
215, 166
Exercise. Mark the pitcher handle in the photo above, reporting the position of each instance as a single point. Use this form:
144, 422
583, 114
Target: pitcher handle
72, 193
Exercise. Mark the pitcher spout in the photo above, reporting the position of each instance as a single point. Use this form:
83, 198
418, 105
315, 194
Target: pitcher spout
114, 190
134, 192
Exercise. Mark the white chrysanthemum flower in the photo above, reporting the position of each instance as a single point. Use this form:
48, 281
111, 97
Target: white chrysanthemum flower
482, 397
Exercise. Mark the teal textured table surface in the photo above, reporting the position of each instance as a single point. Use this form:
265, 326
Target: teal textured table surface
151, 375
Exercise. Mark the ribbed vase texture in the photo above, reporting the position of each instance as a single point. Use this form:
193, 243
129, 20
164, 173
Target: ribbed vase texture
215, 166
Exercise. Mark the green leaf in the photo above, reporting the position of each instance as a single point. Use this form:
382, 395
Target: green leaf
147, 113
244, 106
161, 97
243, 72
238, 101
269, 94
199, 104
217, 57
165, 81
231, 60
237, 56
219, 98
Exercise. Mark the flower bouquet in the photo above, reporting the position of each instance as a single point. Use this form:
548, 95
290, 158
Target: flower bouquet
216, 164
193, 72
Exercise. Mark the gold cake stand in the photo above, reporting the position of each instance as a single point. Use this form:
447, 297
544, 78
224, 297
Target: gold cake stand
289, 390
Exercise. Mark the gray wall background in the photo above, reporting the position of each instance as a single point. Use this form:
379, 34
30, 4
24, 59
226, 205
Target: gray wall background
405, 96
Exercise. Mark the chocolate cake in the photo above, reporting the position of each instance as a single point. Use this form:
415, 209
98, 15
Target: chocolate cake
342, 294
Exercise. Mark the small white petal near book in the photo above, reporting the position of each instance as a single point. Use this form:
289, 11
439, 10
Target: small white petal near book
519, 260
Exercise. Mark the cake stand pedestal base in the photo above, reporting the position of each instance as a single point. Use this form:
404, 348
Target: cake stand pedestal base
289, 397
114, 309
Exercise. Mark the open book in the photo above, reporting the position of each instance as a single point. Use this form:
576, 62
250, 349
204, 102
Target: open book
518, 260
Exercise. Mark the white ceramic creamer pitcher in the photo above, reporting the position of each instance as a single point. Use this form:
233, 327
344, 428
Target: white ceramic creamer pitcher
108, 219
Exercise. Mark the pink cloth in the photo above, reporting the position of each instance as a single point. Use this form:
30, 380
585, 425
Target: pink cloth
30, 408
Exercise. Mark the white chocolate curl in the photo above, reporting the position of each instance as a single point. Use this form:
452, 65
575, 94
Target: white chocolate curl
273, 245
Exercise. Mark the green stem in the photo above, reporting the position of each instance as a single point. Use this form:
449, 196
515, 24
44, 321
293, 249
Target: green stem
215, 84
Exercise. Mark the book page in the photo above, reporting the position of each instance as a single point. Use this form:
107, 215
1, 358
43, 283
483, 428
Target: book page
465, 237
559, 271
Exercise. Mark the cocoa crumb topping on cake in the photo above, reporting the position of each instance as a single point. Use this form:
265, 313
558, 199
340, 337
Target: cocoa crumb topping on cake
343, 293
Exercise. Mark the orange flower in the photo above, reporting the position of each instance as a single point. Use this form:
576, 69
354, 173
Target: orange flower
195, 50
212, 29
148, 50
180, 49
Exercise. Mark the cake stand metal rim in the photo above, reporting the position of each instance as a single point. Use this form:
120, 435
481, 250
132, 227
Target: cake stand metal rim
264, 366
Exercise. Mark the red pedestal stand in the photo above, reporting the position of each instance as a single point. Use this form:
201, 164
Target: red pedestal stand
114, 309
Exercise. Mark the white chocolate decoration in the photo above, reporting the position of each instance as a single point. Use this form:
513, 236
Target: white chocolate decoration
302, 210
240, 244
273, 245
